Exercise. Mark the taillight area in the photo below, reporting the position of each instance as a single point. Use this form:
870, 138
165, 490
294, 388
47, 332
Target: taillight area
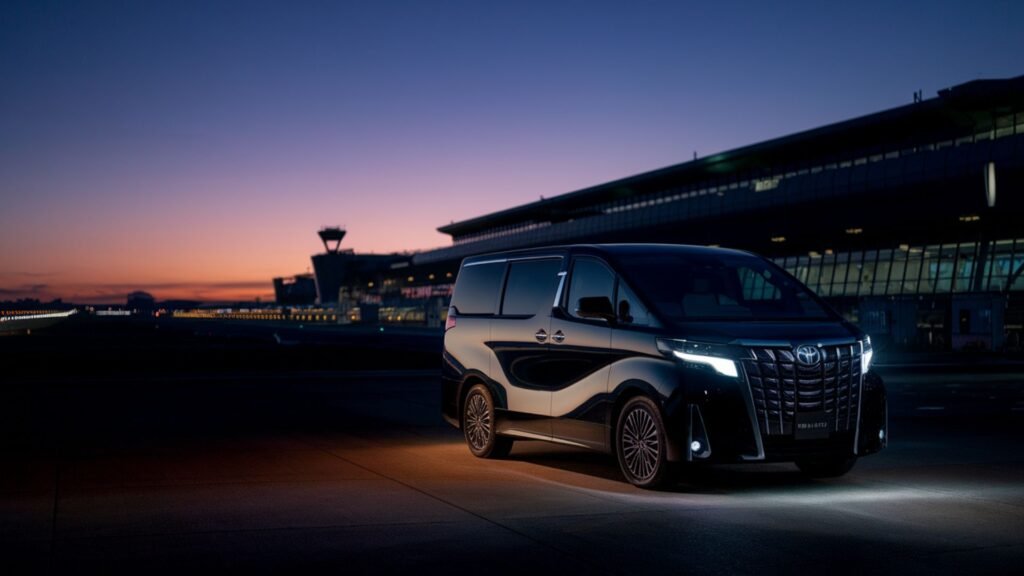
450, 322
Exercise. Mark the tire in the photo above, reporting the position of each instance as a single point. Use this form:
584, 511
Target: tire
832, 467
478, 425
640, 444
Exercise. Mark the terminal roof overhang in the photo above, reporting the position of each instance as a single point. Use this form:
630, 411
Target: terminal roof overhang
954, 110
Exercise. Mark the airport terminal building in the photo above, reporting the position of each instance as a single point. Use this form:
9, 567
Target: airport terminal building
909, 221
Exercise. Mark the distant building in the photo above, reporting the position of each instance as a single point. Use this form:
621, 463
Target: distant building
141, 302
337, 268
298, 290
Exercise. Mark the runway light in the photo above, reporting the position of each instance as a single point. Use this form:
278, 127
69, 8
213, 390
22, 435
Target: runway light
970, 218
695, 446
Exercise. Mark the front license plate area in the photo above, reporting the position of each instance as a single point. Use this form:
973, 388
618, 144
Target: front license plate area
811, 426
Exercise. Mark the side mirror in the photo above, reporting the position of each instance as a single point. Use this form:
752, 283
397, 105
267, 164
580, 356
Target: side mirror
598, 307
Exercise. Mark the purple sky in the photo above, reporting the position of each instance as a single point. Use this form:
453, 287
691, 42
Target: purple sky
194, 148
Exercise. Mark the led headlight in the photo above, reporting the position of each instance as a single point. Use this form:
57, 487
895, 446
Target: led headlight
866, 356
711, 355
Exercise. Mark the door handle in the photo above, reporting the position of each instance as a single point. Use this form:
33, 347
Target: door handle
558, 337
541, 335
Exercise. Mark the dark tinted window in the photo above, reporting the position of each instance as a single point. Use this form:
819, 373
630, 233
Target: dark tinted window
720, 287
629, 309
477, 288
589, 278
531, 286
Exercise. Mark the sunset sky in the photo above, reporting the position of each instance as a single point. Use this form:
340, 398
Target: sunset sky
193, 149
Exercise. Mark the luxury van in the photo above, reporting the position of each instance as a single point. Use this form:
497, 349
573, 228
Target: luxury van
662, 355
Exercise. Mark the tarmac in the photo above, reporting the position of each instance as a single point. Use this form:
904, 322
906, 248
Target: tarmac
355, 472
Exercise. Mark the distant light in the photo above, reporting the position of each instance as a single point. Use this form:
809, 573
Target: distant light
448, 275
970, 218
765, 184
881, 435
829, 251
854, 231
410, 279
905, 247
431, 277
814, 254
778, 239
40, 316
369, 284
990, 184
695, 446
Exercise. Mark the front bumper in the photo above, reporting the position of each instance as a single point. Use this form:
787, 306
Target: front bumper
718, 414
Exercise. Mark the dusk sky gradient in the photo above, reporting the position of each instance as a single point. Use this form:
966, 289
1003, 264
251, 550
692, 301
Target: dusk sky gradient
193, 149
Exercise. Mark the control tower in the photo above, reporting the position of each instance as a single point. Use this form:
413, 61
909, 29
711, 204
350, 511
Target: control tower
338, 267
331, 236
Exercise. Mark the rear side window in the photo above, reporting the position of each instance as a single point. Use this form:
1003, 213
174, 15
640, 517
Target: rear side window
477, 288
531, 286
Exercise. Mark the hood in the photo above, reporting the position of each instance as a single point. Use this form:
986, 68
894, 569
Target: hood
765, 333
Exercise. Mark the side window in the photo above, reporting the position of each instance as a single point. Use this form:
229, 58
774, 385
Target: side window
477, 288
589, 278
531, 286
629, 309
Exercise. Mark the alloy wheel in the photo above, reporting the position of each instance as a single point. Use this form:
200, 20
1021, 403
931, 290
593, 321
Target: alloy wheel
478, 422
640, 444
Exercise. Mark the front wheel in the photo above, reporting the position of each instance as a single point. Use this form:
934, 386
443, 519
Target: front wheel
831, 467
478, 425
640, 443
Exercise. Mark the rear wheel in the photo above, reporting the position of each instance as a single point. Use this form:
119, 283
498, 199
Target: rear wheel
478, 425
831, 467
640, 443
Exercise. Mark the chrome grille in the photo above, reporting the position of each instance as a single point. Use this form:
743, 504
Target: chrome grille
781, 387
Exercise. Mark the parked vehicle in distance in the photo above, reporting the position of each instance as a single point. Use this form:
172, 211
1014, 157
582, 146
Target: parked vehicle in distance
658, 354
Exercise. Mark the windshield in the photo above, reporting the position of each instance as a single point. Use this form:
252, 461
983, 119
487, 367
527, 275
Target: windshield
717, 287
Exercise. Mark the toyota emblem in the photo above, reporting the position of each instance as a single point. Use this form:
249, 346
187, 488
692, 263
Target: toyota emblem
808, 355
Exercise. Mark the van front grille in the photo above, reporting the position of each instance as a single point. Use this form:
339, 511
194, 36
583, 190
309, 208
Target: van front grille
783, 387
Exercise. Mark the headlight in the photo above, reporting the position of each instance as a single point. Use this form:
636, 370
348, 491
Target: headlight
711, 355
866, 356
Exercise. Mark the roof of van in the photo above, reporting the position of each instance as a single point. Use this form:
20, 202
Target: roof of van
603, 249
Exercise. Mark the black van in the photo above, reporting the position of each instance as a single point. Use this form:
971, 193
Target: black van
660, 354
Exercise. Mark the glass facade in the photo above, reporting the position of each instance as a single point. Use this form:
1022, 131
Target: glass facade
932, 269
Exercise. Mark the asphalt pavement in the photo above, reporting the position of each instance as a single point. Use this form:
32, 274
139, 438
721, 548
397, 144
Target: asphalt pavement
356, 473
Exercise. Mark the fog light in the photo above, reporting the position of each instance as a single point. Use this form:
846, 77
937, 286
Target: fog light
881, 435
695, 446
